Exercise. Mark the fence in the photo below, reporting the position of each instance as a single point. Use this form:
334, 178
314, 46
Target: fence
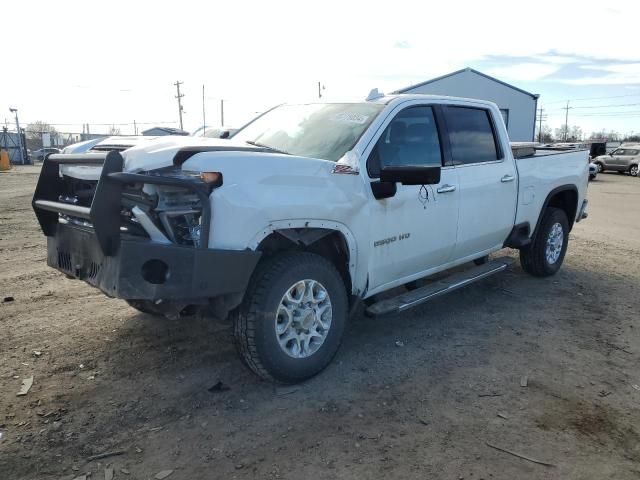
10, 142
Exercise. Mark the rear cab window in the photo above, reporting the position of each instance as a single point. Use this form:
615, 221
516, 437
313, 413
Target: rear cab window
472, 135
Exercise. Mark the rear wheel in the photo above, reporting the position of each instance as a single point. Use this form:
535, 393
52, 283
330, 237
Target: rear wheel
633, 170
292, 319
544, 255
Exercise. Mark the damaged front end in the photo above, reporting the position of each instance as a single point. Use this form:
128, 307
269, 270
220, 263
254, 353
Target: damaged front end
137, 236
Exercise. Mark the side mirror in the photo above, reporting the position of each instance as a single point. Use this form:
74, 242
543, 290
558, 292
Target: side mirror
383, 189
410, 174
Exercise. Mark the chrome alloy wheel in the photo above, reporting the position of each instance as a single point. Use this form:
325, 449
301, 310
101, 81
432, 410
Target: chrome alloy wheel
303, 318
555, 240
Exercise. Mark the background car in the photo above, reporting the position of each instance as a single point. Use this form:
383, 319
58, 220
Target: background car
623, 159
41, 154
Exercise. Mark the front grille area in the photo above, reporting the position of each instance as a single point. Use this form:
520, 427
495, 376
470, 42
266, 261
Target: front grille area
94, 270
64, 261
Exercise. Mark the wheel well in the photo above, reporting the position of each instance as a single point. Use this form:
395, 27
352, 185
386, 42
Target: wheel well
566, 200
330, 244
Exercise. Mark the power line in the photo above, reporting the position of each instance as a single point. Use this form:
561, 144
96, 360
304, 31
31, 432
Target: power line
617, 105
610, 114
107, 124
594, 98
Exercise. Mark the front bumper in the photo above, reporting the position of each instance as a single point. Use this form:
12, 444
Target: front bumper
124, 265
144, 270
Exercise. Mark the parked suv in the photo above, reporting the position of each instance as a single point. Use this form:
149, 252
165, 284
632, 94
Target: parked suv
623, 159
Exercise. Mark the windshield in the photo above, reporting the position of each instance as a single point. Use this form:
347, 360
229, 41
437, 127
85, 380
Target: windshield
325, 131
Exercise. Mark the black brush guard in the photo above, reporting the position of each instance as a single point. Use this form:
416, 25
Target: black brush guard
127, 266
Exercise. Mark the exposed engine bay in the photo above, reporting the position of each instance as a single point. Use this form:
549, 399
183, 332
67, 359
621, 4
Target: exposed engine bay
166, 214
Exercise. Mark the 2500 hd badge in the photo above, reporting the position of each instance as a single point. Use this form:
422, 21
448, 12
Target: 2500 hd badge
387, 241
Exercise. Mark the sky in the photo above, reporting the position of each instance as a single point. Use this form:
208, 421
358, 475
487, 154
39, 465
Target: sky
116, 62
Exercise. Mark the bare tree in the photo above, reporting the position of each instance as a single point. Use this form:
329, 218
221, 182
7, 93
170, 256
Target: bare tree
575, 134
546, 135
34, 132
568, 133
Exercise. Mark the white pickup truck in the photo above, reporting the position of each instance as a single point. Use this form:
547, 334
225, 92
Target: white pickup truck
308, 211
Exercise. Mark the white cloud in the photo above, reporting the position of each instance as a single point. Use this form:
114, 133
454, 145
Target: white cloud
524, 72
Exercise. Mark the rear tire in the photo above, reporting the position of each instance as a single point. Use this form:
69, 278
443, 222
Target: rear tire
543, 257
292, 319
633, 170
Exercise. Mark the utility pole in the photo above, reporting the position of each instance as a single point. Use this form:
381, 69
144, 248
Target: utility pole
135, 128
540, 118
319, 90
540, 127
566, 121
204, 118
23, 157
179, 97
221, 112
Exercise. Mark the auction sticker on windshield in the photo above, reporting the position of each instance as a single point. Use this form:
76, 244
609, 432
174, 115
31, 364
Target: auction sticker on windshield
346, 117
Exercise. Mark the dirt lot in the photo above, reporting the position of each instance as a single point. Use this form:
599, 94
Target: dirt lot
108, 378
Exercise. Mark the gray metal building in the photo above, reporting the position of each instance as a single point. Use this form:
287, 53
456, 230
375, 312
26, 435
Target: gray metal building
518, 107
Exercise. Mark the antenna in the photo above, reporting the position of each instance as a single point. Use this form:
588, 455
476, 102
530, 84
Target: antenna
373, 94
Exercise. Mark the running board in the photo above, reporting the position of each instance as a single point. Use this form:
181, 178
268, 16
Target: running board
446, 285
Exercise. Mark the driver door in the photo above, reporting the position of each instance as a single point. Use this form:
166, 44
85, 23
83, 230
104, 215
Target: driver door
415, 229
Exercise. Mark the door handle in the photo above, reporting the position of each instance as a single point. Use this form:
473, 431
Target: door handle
507, 178
446, 188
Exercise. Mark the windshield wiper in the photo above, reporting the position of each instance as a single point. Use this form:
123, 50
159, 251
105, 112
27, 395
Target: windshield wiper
256, 144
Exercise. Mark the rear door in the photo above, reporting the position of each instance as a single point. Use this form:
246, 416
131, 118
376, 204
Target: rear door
629, 158
487, 180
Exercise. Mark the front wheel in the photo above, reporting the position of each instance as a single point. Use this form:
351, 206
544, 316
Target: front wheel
633, 170
543, 257
144, 306
292, 319
600, 167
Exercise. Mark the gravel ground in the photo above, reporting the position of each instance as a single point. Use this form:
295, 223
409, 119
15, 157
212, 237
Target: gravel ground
418, 395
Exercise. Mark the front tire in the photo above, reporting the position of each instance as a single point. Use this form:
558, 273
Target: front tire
543, 257
144, 306
600, 167
292, 319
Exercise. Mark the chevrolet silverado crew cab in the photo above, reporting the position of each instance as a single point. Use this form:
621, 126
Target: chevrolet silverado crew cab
308, 211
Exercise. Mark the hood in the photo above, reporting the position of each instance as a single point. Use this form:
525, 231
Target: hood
160, 154
152, 153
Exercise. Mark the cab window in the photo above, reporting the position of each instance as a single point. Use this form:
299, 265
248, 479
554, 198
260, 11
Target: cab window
471, 135
410, 139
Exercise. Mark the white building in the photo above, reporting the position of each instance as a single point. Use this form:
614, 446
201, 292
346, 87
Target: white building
517, 106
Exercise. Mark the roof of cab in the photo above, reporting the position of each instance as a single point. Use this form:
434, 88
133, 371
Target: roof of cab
400, 97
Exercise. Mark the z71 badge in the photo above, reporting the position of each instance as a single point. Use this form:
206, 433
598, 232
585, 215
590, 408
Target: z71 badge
387, 241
